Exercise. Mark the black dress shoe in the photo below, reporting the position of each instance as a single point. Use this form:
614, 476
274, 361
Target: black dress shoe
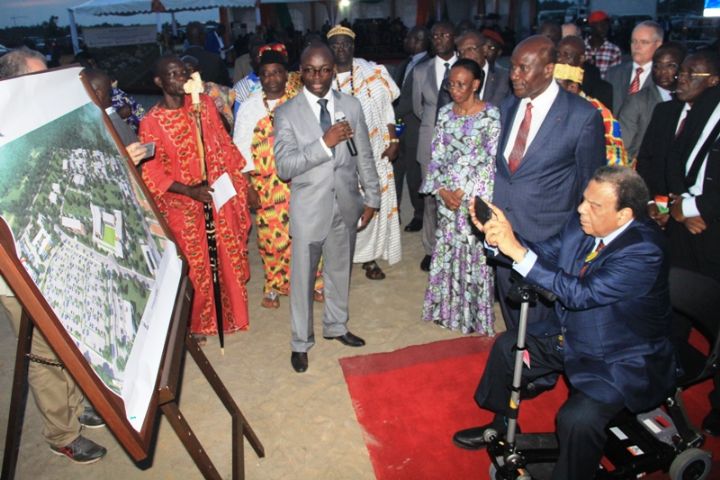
348, 339
299, 361
477, 437
415, 225
711, 423
425, 264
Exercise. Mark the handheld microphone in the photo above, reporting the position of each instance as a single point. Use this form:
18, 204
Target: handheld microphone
340, 117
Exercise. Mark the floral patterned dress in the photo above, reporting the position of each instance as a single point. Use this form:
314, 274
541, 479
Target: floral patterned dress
460, 289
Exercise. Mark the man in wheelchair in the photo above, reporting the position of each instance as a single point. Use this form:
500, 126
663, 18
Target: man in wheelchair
610, 331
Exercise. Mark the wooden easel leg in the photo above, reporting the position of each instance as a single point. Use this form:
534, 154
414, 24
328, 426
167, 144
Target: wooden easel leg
18, 399
241, 427
190, 441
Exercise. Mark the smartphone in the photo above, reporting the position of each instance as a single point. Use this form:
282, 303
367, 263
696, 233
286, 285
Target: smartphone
482, 211
150, 148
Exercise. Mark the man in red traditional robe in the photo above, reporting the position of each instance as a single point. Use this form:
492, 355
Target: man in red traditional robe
190, 155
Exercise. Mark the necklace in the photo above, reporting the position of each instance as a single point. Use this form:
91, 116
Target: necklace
352, 81
270, 111
467, 111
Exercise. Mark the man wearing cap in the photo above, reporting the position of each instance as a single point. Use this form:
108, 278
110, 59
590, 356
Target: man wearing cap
598, 49
493, 46
374, 87
569, 75
629, 78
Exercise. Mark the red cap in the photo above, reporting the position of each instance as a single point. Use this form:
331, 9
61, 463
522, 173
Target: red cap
598, 16
494, 36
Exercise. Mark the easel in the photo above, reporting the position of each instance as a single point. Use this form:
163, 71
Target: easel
178, 339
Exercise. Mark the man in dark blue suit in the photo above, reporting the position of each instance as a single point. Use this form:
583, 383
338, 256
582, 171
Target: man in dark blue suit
551, 142
609, 271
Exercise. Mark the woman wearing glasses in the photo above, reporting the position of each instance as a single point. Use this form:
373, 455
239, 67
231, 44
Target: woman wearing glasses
460, 290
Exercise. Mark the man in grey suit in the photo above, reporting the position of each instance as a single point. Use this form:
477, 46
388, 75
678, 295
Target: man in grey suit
496, 85
324, 162
428, 97
551, 142
406, 166
635, 113
629, 78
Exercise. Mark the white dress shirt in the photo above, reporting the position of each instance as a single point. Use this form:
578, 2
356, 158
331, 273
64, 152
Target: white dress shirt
440, 68
411, 64
647, 69
524, 266
665, 95
689, 206
313, 101
540, 108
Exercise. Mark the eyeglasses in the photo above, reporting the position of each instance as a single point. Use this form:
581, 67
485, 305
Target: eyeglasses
490, 46
312, 71
457, 85
692, 75
438, 36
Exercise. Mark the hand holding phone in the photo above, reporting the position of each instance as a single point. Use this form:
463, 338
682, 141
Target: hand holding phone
482, 210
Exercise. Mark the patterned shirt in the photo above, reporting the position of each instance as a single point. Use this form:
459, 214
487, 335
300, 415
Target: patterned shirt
605, 56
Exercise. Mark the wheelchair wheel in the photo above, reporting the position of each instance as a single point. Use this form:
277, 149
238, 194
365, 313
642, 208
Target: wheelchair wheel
691, 464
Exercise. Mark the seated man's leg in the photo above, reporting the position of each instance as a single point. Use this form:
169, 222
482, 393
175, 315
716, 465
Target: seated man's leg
581, 425
493, 392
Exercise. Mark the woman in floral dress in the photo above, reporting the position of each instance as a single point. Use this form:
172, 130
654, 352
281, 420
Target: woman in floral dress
460, 290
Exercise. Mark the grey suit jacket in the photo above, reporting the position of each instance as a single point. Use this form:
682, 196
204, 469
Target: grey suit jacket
619, 77
317, 179
497, 85
425, 95
634, 117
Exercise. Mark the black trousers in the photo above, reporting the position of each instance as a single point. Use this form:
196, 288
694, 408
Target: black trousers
580, 421
696, 301
537, 313
407, 167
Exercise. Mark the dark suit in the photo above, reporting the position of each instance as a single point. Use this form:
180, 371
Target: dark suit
212, 67
619, 77
615, 348
594, 86
657, 141
497, 85
406, 166
634, 117
699, 253
547, 187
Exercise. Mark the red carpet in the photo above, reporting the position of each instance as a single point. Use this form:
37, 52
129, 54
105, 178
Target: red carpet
411, 401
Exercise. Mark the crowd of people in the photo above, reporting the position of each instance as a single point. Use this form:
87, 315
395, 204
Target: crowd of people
601, 176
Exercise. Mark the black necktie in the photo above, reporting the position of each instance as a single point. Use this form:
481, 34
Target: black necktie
697, 162
325, 121
444, 93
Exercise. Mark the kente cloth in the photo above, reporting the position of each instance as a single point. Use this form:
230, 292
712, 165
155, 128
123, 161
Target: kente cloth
223, 97
614, 147
372, 85
255, 139
177, 159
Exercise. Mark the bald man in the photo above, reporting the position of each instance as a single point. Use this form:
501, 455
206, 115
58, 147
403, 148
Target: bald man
550, 144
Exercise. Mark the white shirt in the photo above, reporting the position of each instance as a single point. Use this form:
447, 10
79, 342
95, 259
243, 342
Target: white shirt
440, 68
665, 95
411, 64
540, 108
647, 69
689, 206
524, 266
683, 115
486, 70
313, 101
